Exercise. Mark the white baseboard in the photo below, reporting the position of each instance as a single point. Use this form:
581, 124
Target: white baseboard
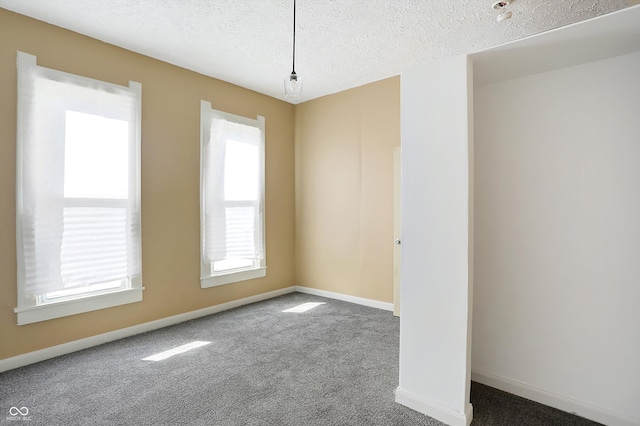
433, 409
77, 345
352, 299
551, 399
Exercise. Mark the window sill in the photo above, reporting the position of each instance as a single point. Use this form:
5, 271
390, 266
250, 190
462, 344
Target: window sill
232, 277
65, 308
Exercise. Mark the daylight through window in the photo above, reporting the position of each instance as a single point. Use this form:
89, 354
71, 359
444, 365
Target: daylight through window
232, 197
78, 179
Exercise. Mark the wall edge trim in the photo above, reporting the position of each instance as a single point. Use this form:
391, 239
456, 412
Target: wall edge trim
561, 402
99, 339
433, 409
346, 298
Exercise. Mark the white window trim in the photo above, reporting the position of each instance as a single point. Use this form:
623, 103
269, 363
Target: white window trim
233, 277
28, 311
89, 303
207, 276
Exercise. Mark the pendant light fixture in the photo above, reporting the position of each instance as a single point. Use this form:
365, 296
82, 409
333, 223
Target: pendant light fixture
293, 83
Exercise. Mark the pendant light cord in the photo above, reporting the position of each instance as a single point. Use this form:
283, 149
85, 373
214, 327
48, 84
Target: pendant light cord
294, 38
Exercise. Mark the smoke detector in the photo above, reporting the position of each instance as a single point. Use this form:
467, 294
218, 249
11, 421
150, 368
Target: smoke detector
502, 7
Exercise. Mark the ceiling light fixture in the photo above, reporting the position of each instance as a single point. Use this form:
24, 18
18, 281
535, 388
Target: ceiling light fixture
293, 83
502, 7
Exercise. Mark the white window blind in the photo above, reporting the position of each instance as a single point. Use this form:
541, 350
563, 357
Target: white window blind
232, 197
78, 200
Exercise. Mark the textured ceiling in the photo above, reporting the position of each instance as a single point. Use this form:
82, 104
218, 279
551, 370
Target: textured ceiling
339, 43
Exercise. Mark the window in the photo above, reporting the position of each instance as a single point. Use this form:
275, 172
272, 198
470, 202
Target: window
231, 197
78, 193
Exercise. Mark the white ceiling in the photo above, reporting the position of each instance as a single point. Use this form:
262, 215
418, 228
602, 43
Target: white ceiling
340, 44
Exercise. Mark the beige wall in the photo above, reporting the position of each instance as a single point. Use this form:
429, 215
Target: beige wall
170, 181
344, 190
342, 219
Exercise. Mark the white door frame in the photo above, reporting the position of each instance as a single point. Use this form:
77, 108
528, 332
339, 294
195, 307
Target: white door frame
397, 227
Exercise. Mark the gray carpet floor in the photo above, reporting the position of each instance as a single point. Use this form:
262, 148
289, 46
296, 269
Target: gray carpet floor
336, 364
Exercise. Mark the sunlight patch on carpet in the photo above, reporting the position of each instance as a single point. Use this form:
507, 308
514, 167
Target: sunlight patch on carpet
304, 307
175, 351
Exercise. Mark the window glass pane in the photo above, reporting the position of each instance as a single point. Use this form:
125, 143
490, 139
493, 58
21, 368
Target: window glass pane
96, 156
113, 285
241, 169
229, 264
